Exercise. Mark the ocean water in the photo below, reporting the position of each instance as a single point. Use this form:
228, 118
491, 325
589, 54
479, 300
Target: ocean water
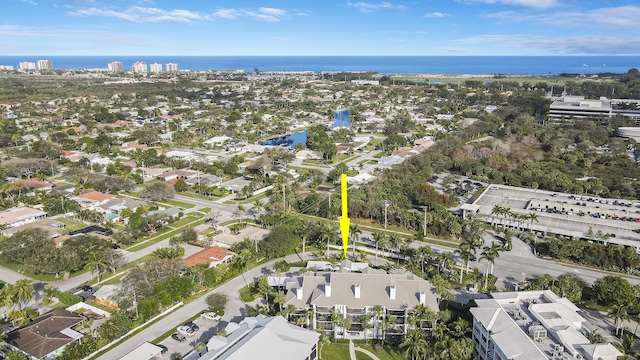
510, 65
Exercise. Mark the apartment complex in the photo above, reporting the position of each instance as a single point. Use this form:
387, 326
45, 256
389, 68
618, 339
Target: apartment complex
533, 325
354, 291
139, 67
27, 65
155, 68
115, 66
171, 67
263, 337
578, 107
45, 65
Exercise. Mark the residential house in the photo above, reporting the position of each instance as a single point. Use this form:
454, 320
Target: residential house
133, 146
53, 227
112, 208
205, 179
532, 325
104, 295
46, 336
212, 256
178, 174
92, 199
17, 216
263, 337
354, 291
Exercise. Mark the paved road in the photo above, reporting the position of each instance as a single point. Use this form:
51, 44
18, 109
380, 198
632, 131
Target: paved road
235, 311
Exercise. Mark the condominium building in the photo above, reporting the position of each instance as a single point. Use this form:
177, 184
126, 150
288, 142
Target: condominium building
355, 291
155, 68
171, 67
533, 325
115, 66
45, 65
139, 67
263, 337
27, 65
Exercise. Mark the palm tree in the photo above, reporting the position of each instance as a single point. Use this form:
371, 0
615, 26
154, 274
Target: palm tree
490, 254
415, 344
619, 313
264, 287
394, 241
279, 298
47, 293
280, 267
378, 314
97, 261
256, 207
324, 340
466, 254
354, 234
366, 324
22, 292
389, 322
327, 234
425, 253
532, 217
459, 327
380, 239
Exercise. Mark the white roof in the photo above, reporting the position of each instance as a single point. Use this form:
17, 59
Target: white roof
263, 337
143, 352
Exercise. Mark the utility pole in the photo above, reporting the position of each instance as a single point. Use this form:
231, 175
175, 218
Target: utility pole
424, 207
386, 205
284, 199
135, 302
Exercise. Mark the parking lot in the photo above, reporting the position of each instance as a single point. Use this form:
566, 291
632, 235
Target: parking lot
207, 330
564, 214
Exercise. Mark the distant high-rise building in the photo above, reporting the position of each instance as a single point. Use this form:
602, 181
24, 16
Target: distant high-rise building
139, 67
27, 65
171, 67
155, 68
115, 66
6, 67
45, 65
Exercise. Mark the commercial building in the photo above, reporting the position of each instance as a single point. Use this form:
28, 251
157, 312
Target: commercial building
155, 68
354, 291
578, 107
115, 66
533, 325
263, 337
171, 67
27, 65
45, 65
139, 67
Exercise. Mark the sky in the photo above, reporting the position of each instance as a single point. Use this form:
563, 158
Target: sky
319, 27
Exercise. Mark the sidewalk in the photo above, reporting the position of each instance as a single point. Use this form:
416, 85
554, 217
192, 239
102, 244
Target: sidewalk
353, 349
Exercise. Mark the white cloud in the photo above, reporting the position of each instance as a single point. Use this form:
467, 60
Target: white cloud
539, 4
590, 44
30, 2
454, 50
142, 14
149, 14
268, 14
370, 7
435, 15
570, 45
612, 17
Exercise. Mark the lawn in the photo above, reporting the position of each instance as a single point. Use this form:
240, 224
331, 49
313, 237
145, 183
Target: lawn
335, 352
162, 235
70, 225
19, 268
245, 294
383, 353
362, 356
177, 203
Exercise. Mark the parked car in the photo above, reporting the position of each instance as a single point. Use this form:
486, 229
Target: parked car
88, 288
210, 316
164, 349
178, 337
192, 325
186, 330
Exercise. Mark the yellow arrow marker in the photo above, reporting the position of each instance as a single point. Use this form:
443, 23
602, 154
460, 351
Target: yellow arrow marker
344, 221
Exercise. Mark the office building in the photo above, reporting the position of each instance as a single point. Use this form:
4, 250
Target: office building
27, 65
139, 67
171, 67
263, 337
356, 290
45, 65
115, 66
533, 325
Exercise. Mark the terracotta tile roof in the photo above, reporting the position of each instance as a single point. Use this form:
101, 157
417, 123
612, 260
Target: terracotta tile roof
95, 196
207, 256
